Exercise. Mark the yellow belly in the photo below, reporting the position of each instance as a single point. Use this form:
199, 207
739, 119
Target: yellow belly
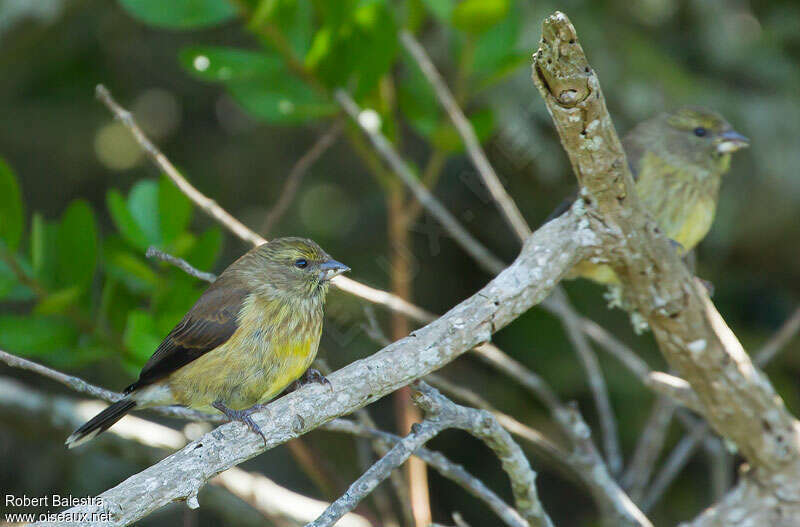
683, 206
270, 349
240, 376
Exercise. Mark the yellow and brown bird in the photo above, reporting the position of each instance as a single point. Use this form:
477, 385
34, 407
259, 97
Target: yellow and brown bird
255, 330
677, 160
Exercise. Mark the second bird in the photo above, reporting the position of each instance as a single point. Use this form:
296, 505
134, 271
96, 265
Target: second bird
254, 331
677, 160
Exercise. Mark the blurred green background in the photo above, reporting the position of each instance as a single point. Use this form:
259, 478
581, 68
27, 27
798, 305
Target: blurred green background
216, 86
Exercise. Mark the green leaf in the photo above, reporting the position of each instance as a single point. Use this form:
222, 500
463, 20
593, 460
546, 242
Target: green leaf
493, 47
180, 14
123, 220
143, 206
174, 299
76, 244
220, 64
356, 45
206, 249
141, 336
285, 101
36, 335
174, 211
476, 16
417, 100
59, 301
11, 215
294, 17
442, 10
127, 267
447, 138
10, 288
44, 253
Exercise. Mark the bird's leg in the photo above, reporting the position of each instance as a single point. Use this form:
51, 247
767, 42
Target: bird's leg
311, 375
243, 416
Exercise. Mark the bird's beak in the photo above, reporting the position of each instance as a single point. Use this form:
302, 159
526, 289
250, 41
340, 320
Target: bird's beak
331, 268
731, 141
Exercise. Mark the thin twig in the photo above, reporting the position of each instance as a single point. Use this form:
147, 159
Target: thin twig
783, 336
81, 386
597, 382
441, 413
638, 475
370, 294
648, 448
475, 249
224, 218
674, 464
264, 495
438, 462
613, 502
292, 182
180, 263
511, 213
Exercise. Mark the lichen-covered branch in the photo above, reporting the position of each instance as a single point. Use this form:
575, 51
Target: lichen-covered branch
544, 259
736, 398
441, 413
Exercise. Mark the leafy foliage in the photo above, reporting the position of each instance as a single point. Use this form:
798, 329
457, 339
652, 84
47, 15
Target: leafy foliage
180, 14
91, 295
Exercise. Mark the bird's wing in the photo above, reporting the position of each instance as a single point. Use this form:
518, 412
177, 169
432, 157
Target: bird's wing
208, 324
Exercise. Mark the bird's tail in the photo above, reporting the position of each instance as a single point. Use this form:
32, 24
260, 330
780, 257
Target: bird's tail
100, 423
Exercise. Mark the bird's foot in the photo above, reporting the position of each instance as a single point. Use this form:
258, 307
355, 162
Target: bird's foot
243, 416
311, 375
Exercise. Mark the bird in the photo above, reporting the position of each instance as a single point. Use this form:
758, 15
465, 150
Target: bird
677, 159
252, 332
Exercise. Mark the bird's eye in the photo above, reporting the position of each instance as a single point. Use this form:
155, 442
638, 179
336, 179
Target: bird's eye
302, 263
700, 131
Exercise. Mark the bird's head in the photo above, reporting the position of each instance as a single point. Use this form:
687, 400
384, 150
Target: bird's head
294, 268
697, 137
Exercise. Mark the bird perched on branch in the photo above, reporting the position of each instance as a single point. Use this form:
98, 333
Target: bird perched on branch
677, 160
255, 330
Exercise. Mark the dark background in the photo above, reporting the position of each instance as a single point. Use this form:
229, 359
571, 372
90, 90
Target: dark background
740, 58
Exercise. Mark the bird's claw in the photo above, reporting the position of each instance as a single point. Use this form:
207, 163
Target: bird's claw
243, 416
312, 375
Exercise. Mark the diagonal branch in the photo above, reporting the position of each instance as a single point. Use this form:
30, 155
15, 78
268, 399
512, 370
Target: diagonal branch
691, 334
441, 413
545, 258
210, 207
475, 249
510, 211
292, 182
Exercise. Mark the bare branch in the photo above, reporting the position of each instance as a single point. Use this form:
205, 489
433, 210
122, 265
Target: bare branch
691, 334
224, 218
511, 213
81, 386
180, 263
475, 249
438, 462
615, 505
648, 448
292, 182
783, 336
597, 382
263, 494
544, 259
675, 388
675, 462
